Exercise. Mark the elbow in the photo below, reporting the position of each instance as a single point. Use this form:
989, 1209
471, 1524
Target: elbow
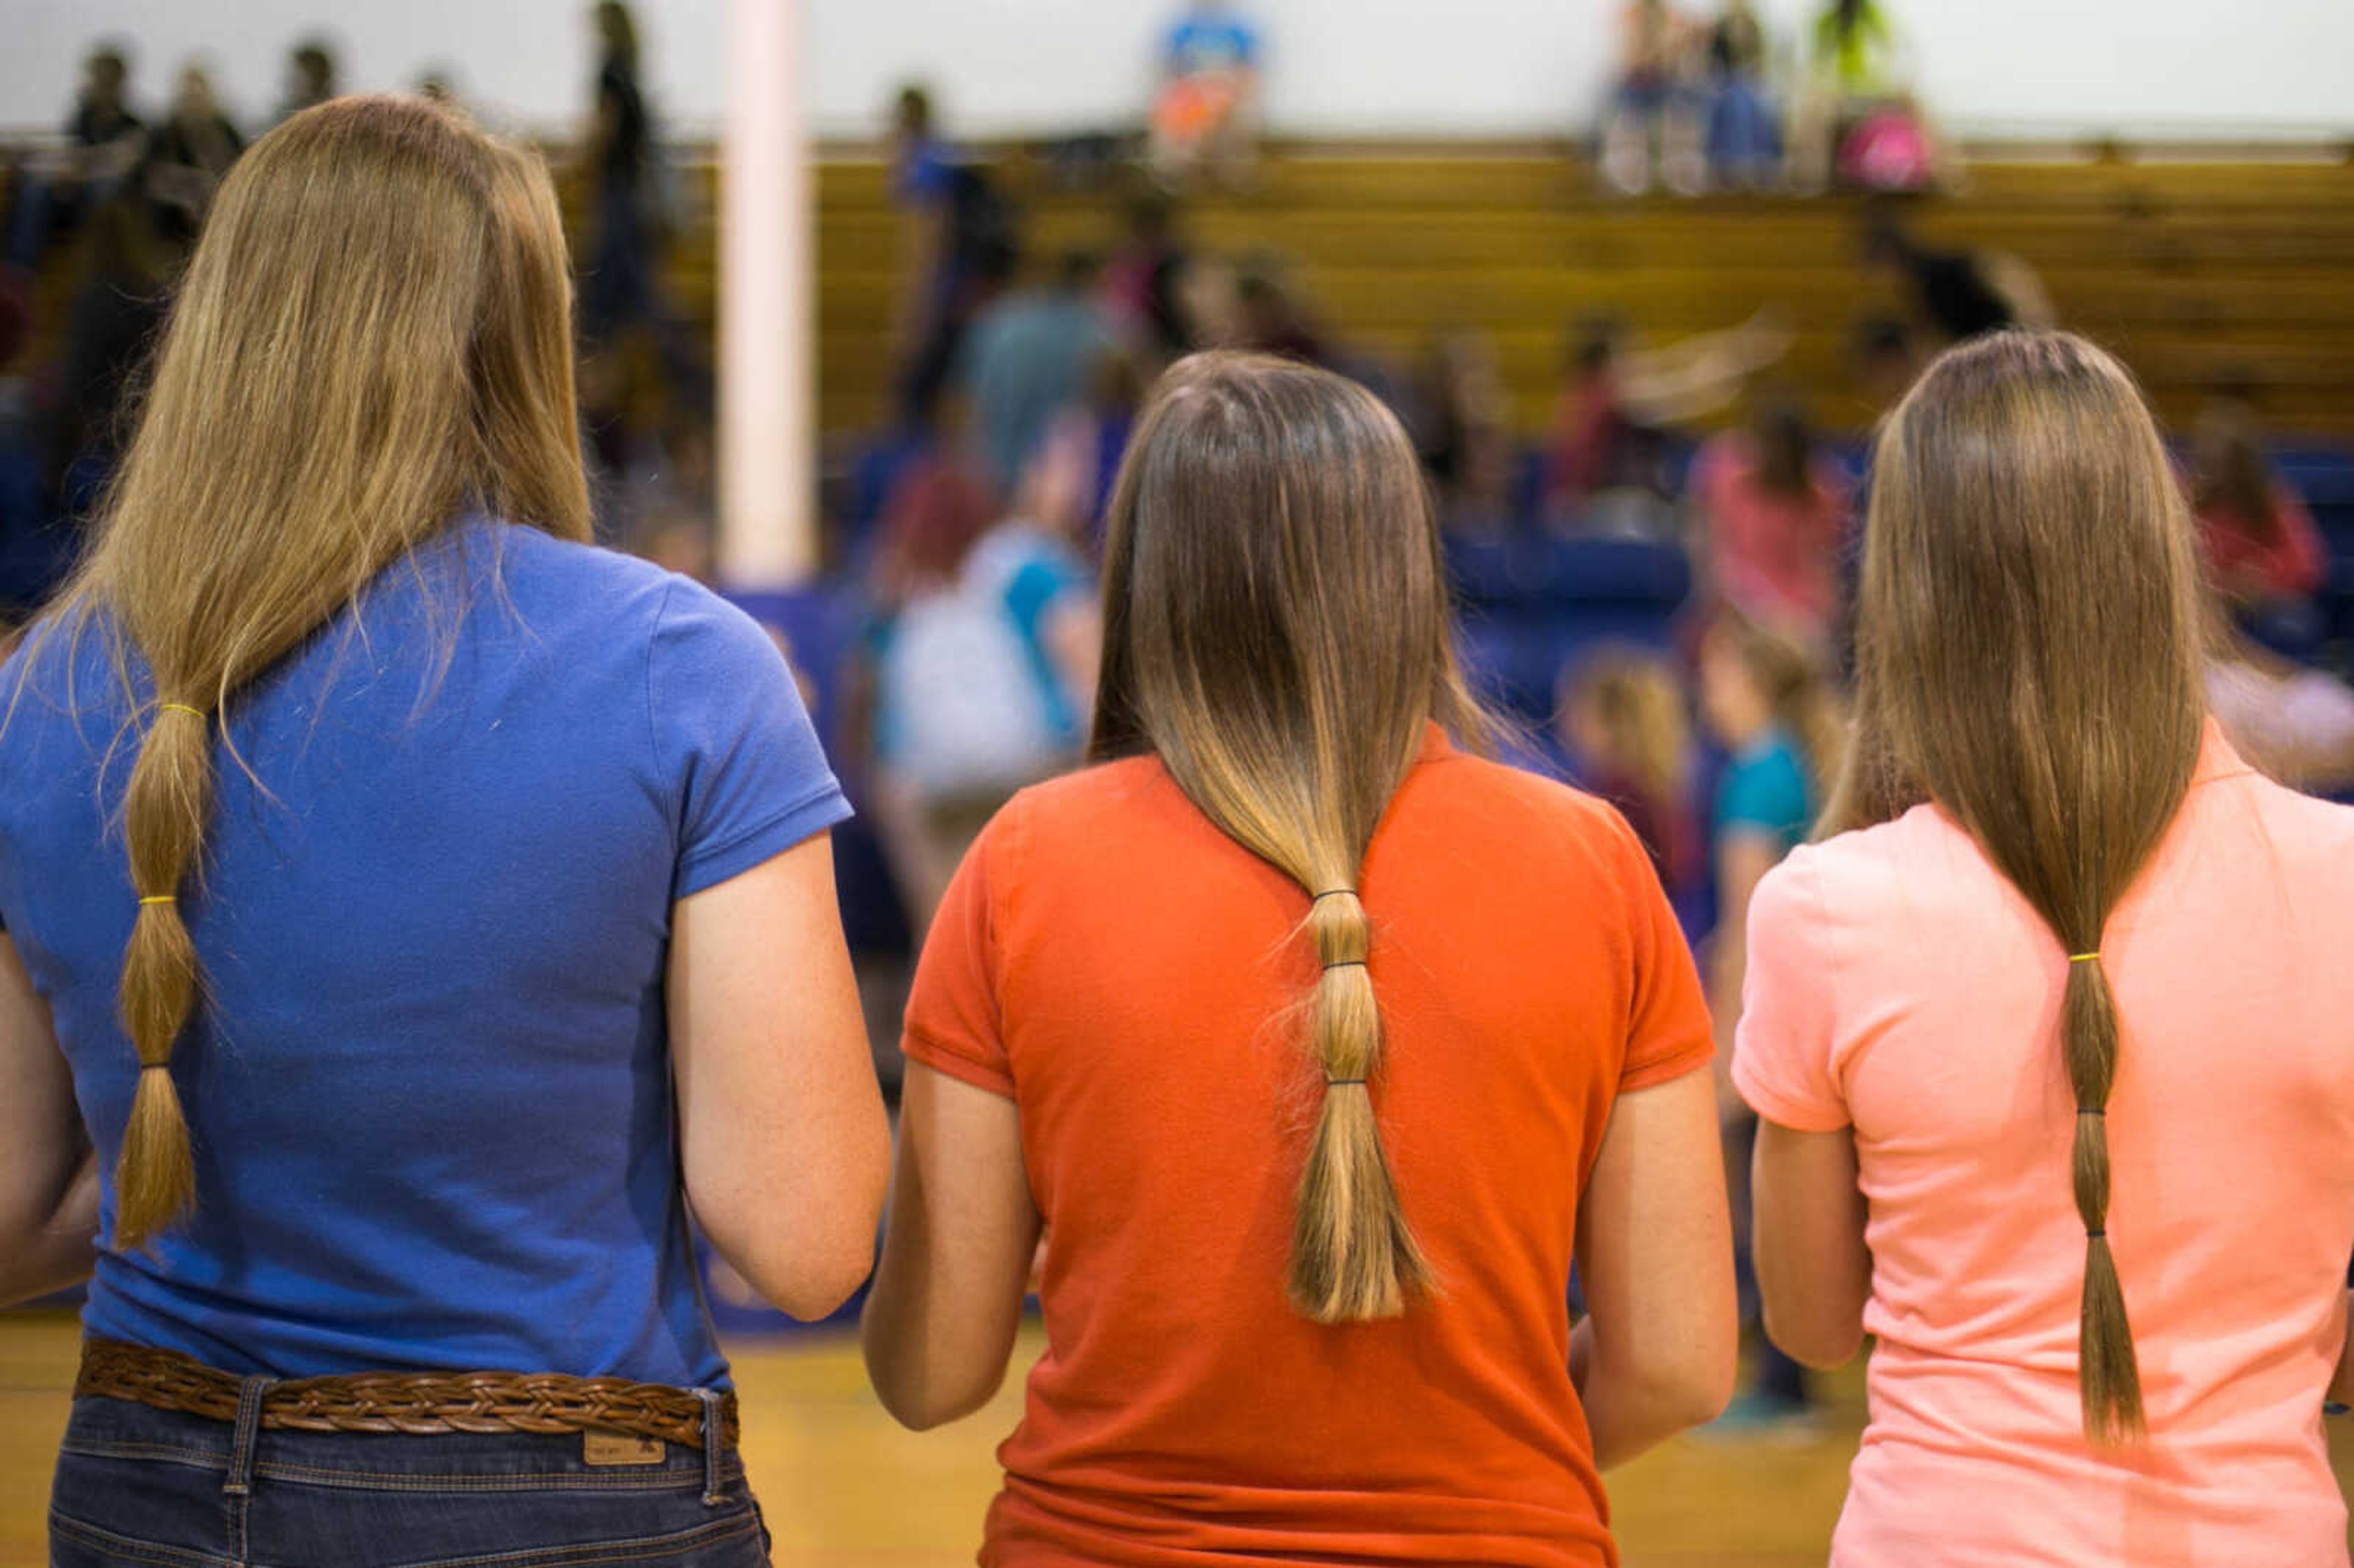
919, 1397
816, 1287
925, 1409
1819, 1341
1686, 1390
808, 1276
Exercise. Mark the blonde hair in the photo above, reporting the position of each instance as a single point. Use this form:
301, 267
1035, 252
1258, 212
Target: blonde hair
373, 335
2030, 656
1276, 632
1639, 706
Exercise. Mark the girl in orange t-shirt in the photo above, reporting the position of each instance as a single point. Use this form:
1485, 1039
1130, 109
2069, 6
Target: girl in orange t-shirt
1317, 1048
2053, 1046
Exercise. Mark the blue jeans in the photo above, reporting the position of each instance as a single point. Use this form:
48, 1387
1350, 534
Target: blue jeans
158, 1490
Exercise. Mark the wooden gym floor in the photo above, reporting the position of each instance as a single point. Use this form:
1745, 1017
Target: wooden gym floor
844, 1487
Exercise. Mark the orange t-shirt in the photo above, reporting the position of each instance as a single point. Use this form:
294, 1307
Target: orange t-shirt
1128, 976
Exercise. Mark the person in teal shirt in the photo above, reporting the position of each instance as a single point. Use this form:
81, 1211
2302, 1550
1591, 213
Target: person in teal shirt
1763, 696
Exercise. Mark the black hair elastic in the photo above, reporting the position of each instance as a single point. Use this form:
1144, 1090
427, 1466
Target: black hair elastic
1344, 963
2097, 1235
1332, 893
1335, 1083
2092, 1110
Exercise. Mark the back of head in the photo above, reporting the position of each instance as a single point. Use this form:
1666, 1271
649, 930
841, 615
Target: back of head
1785, 441
1789, 680
2029, 650
314, 62
617, 30
373, 335
1276, 631
1637, 706
1595, 345
911, 113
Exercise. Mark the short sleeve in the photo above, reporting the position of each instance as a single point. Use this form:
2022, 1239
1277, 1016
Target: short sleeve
1667, 1032
952, 1023
1766, 795
748, 777
1781, 1048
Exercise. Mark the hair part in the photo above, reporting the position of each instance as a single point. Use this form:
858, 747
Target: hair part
1277, 633
373, 335
2031, 648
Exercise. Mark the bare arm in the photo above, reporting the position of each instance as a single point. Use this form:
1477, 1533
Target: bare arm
940, 1321
786, 1147
1656, 1351
49, 1178
2341, 1383
1814, 1272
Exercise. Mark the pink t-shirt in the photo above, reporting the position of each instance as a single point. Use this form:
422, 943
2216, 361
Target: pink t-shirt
1899, 985
1777, 557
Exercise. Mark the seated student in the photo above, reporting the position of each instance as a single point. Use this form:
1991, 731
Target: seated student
406, 913
1317, 1047
1650, 130
1205, 114
2259, 543
1745, 133
1611, 423
2051, 1041
1772, 510
1855, 66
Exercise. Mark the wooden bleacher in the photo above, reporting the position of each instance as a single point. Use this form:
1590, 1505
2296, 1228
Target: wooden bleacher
2192, 271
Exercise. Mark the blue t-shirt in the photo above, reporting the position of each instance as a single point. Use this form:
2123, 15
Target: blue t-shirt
925, 176
430, 1093
1766, 790
1209, 40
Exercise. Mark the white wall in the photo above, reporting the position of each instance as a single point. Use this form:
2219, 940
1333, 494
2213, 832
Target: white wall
1335, 66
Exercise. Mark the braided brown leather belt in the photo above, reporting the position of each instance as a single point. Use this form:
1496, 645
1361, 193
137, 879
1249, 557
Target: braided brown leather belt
406, 1402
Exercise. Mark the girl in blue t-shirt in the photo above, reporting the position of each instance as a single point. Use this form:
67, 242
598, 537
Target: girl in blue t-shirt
1764, 698
408, 912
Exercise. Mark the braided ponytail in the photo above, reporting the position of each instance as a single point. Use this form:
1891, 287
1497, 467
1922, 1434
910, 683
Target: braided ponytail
2029, 654
1276, 631
163, 818
2110, 1378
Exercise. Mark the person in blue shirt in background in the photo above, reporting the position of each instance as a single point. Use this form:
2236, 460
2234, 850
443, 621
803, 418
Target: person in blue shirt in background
406, 912
1205, 112
957, 248
1764, 698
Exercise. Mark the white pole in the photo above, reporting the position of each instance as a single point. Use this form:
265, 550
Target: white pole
767, 524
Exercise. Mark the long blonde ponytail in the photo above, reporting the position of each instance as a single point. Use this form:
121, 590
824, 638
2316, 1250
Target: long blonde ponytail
1275, 631
373, 334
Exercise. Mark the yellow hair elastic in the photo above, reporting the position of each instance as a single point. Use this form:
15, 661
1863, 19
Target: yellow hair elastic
2085, 957
180, 708
160, 898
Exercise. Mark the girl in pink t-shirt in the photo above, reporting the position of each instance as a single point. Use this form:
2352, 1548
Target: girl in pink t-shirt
2055, 1046
1774, 509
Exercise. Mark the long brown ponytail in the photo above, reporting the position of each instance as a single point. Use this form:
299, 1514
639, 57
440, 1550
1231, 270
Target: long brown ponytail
374, 334
2029, 651
1276, 631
